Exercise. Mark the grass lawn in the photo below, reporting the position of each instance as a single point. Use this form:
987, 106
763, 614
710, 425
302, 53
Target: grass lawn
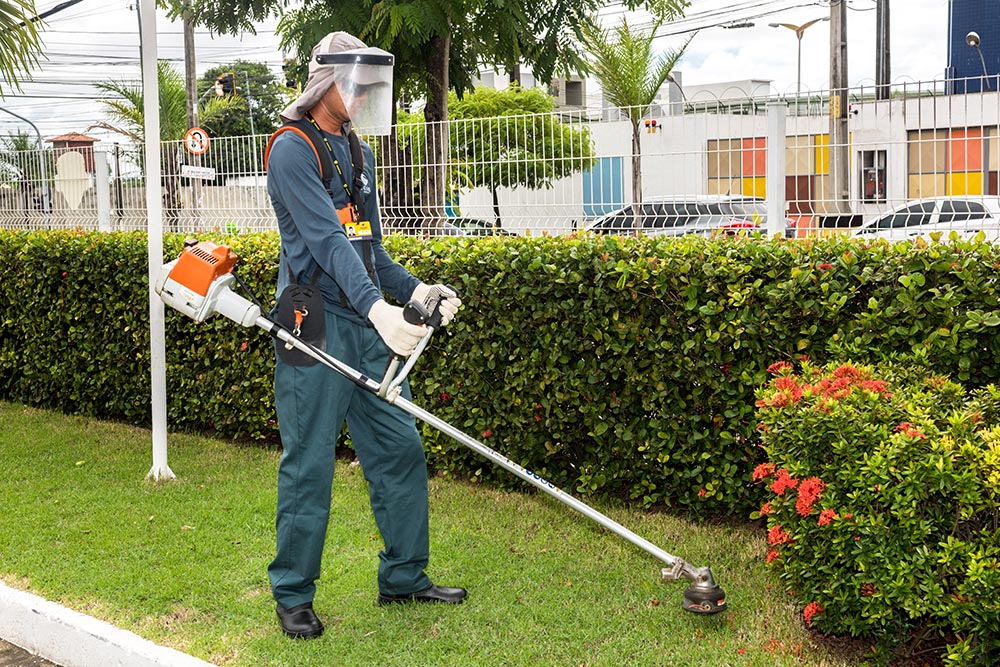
183, 563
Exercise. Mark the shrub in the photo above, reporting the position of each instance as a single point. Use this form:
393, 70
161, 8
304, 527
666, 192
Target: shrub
611, 366
882, 503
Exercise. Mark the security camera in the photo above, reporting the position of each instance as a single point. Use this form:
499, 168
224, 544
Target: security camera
972, 39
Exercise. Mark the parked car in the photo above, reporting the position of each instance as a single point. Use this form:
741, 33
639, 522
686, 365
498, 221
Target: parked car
677, 216
965, 215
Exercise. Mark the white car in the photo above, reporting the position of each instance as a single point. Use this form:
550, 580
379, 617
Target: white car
967, 216
677, 216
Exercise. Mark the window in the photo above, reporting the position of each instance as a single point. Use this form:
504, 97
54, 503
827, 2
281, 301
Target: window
977, 210
911, 216
872, 186
952, 211
574, 93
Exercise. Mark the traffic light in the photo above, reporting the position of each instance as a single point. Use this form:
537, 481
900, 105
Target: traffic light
288, 67
225, 84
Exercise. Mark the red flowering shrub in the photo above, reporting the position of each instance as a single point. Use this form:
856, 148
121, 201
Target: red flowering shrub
882, 504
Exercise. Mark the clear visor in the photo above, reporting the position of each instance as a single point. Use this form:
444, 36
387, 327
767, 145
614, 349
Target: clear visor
364, 80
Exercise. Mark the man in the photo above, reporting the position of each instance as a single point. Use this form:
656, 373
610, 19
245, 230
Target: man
346, 80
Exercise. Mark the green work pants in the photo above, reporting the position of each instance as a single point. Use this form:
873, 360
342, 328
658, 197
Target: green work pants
312, 403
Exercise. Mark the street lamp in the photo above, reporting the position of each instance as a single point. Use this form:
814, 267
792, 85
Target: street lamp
972, 39
799, 29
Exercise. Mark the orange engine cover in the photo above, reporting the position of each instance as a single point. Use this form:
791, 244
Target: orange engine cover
200, 264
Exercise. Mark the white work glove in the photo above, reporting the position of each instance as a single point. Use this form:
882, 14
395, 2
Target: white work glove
449, 305
398, 334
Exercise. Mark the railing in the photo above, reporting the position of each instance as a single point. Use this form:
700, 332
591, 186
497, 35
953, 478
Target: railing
566, 171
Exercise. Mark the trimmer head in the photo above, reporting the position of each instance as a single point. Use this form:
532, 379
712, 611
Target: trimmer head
704, 599
703, 595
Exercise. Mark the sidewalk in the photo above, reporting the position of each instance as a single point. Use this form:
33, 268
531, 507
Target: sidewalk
12, 656
51, 635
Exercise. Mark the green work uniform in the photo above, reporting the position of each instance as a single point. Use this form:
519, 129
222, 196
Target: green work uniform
313, 402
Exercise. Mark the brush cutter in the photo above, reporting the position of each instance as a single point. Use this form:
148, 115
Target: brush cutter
198, 284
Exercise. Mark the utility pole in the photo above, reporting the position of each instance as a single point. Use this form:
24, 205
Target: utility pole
190, 70
882, 60
840, 184
191, 86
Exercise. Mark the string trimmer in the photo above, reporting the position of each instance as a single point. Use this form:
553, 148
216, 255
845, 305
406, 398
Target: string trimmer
198, 284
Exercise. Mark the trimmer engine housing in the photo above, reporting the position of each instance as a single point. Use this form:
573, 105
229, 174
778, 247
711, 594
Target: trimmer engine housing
197, 284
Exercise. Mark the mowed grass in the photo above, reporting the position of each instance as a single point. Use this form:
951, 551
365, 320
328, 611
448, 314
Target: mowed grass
183, 563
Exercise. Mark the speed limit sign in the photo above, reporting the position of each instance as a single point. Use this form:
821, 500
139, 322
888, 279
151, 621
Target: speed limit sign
196, 141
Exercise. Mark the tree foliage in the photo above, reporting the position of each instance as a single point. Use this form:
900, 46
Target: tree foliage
512, 139
502, 138
262, 101
20, 45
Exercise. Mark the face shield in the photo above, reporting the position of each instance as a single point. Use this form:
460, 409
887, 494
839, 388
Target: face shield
364, 80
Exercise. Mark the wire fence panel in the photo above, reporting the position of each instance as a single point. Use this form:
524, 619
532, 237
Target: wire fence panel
925, 160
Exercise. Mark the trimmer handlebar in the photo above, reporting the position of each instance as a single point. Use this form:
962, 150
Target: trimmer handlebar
428, 311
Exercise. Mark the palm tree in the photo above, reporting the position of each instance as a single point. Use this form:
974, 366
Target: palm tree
631, 77
19, 42
127, 109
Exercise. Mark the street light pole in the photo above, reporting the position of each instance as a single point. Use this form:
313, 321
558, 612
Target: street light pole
972, 39
798, 30
253, 142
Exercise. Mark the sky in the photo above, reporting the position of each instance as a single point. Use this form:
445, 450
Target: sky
98, 40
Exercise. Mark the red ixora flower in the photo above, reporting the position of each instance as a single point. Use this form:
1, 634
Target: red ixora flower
826, 516
809, 492
909, 430
847, 371
780, 367
783, 482
812, 610
487, 433
765, 509
763, 471
702, 493
778, 535
445, 396
773, 555
824, 267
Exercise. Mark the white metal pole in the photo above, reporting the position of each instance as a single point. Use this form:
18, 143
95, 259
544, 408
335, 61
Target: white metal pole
154, 216
103, 191
775, 192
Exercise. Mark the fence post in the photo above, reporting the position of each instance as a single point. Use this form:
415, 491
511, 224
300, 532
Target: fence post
103, 191
776, 113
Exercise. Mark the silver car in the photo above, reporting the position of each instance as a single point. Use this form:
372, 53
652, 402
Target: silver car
966, 216
726, 214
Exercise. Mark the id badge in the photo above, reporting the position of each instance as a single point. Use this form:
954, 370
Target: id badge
359, 230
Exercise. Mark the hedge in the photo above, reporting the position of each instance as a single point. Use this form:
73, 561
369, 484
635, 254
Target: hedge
612, 366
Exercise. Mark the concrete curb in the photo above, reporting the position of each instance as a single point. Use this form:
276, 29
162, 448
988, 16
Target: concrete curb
72, 639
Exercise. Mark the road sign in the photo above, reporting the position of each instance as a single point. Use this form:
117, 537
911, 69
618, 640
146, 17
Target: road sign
196, 141
204, 173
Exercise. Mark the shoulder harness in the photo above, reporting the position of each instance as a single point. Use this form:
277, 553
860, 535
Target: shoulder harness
316, 142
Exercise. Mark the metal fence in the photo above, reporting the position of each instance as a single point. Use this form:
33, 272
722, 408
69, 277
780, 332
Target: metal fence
841, 161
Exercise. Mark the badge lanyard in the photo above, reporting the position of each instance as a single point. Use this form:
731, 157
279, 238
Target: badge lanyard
336, 163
